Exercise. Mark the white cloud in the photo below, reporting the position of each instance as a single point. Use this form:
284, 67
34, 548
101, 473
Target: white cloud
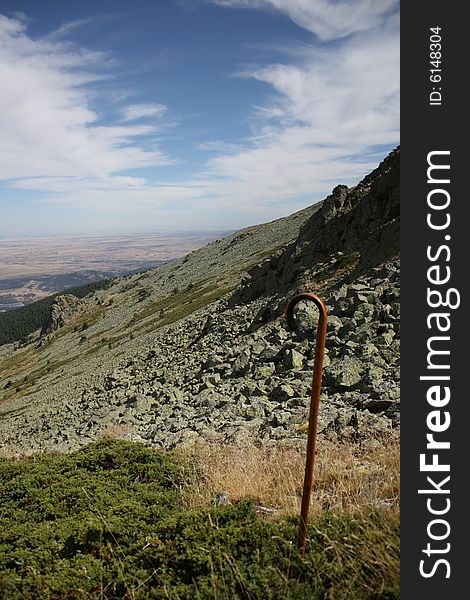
322, 125
49, 127
328, 19
67, 185
133, 112
330, 107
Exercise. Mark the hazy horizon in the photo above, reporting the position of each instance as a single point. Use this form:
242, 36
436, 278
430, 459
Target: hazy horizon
120, 233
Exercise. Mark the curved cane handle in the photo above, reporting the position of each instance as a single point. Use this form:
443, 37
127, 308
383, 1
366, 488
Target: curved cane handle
314, 404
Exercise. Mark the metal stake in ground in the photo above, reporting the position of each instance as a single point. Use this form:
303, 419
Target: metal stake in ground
314, 403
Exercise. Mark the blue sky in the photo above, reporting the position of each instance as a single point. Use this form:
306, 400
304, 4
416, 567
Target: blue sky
189, 114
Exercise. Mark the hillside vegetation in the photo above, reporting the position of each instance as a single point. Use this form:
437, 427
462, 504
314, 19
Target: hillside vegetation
110, 521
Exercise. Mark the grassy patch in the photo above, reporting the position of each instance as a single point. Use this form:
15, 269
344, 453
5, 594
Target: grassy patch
348, 477
33, 359
176, 306
343, 262
109, 521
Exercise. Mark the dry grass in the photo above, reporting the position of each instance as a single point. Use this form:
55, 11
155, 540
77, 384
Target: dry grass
347, 478
121, 431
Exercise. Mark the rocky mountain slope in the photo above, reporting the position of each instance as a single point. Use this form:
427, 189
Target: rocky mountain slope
199, 349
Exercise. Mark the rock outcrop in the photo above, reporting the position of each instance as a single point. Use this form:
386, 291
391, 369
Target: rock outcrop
361, 223
63, 308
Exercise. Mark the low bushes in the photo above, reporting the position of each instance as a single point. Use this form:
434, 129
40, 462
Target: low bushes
109, 521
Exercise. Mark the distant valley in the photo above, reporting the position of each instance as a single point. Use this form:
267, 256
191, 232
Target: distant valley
32, 268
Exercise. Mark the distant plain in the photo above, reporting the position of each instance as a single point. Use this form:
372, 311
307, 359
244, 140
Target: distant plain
34, 267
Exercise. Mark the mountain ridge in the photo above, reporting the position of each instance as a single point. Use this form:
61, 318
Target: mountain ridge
196, 349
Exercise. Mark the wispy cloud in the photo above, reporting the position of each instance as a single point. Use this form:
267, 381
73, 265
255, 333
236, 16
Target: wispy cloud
323, 124
219, 146
328, 111
66, 28
49, 127
328, 19
133, 112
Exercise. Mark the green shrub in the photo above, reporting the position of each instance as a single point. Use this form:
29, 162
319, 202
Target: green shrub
109, 521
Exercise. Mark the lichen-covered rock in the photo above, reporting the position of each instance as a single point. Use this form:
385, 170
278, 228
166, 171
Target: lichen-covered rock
293, 359
344, 373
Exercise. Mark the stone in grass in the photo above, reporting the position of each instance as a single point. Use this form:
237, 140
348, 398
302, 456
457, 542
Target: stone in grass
209, 380
280, 418
140, 403
372, 378
242, 363
221, 499
174, 394
306, 317
269, 354
258, 347
334, 324
251, 388
385, 339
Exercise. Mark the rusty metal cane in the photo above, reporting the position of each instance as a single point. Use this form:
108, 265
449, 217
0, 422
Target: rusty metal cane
314, 403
